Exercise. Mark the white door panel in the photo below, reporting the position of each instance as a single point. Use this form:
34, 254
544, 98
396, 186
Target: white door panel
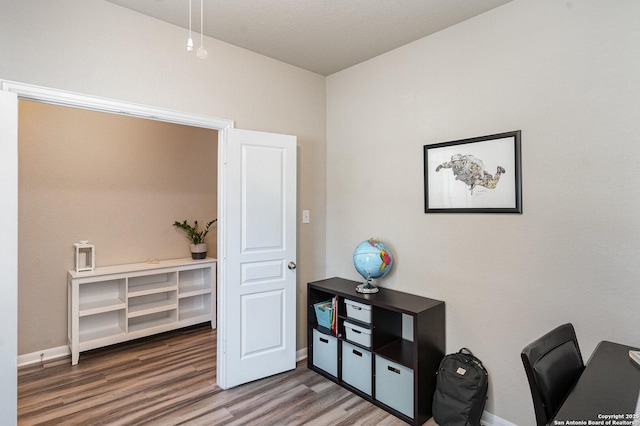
267, 335
263, 178
259, 226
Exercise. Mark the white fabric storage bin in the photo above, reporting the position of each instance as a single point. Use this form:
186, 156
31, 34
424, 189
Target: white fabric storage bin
356, 367
357, 334
358, 311
394, 385
325, 352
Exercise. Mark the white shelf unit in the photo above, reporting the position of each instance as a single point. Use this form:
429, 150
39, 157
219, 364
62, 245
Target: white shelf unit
114, 304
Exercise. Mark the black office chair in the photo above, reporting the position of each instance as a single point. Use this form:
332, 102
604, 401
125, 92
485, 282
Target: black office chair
553, 364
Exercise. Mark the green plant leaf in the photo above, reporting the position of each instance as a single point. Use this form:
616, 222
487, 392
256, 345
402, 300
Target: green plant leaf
194, 234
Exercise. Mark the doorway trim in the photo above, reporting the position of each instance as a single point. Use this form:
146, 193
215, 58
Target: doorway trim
36, 93
60, 97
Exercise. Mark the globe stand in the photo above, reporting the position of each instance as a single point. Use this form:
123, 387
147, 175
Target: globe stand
367, 288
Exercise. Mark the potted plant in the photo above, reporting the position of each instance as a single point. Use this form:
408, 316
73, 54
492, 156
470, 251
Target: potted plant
196, 236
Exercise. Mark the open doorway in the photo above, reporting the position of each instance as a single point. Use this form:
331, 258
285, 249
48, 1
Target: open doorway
116, 180
11, 92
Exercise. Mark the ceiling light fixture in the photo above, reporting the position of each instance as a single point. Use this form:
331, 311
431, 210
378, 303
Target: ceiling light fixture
190, 40
201, 53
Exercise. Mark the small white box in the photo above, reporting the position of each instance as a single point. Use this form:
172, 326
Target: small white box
394, 385
325, 352
358, 311
356, 367
357, 334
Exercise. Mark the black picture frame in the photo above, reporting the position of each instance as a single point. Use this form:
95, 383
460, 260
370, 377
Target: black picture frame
476, 175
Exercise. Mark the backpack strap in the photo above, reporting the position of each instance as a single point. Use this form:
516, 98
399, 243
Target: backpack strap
467, 352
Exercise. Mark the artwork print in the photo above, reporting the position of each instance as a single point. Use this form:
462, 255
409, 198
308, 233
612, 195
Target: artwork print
477, 175
470, 170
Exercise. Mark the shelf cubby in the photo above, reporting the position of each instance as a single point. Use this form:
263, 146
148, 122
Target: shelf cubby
194, 306
150, 284
399, 350
194, 281
102, 297
102, 325
151, 321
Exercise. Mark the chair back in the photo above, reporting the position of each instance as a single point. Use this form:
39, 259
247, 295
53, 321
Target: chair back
553, 364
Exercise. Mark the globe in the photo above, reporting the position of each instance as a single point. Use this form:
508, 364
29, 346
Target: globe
372, 259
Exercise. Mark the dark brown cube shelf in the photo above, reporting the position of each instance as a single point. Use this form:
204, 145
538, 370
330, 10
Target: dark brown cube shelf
407, 334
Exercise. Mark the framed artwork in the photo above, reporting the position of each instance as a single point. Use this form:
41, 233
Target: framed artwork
477, 175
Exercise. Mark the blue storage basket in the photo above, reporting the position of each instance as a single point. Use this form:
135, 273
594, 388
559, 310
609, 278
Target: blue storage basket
324, 311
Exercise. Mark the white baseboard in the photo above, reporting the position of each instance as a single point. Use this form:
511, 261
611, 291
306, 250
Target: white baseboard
493, 420
62, 351
301, 354
43, 355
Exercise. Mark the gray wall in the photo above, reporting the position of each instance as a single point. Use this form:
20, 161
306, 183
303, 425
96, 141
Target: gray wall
567, 73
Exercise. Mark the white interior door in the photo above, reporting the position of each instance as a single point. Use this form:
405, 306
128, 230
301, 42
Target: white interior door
257, 299
9, 257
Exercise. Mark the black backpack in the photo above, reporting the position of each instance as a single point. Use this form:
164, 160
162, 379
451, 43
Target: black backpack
461, 390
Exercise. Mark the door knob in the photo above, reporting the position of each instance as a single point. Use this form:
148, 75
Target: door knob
292, 265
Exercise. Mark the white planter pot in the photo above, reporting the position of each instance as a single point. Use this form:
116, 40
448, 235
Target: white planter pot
199, 251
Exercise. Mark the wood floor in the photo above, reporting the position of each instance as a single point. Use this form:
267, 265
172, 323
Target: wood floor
170, 380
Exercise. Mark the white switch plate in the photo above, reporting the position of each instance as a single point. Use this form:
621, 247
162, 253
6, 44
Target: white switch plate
305, 216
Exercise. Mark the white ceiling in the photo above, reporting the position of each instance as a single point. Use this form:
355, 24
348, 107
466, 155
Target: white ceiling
323, 36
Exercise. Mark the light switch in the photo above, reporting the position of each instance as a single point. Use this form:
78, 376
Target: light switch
305, 216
